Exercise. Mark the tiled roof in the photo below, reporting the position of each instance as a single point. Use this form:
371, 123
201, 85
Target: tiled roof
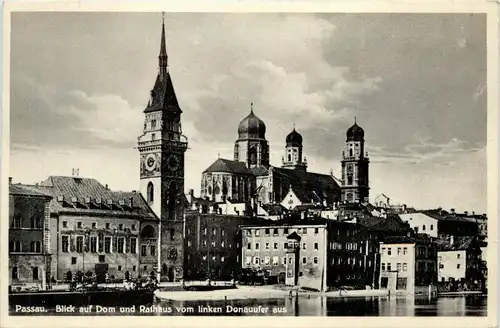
459, 243
442, 215
163, 96
19, 189
75, 195
274, 209
309, 186
225, 165
259, 171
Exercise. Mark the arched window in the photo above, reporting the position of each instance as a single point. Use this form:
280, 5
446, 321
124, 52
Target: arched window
17, 246
423, 227
289, 157
350, 152
150, 192
432, 227
32, 247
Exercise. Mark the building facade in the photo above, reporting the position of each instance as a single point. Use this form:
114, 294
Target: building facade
459, 260
407, 264
29, 238
437, 222
95, 231
162, 146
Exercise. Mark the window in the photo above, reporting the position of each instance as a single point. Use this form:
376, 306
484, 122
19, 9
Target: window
383, 250
256, 260
458, 256
423, 227
133, 227
35, 273
204, 243
214, 231
267, 231
153, 250
257, 245
35, 247
290, 260
276, 260
276, 245
399, 250
107, 225
399, 267
383, 266
121, 245
80, 225
79, 244
133, 245
388, 267
316, 246
65, 243
283, 260
304, 260
248, 260
119, 268
249, 233
249, 246
222, 244
107, 244
316, 231
275, 231
205, 231
134, 268
93, 244
432, 227
257, 232
15, 273
172, 234
73, 260
150, 192
405, 250
102, 258
65, 224
222, 259
267, 245
94, 225
285, 245
153, 124
405, 267
17, 221
315, 260
145, 268
285, 231
388, 251
458, 266
189, 243
222, 232
304, 245
120, 226
153, 136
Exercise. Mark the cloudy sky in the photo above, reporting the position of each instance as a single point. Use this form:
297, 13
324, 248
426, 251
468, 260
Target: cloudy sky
416, 83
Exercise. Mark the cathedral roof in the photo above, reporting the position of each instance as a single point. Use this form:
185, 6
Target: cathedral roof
228, 166
259, 171
83, 196
294, 138
251, 127
355, 133
309, 185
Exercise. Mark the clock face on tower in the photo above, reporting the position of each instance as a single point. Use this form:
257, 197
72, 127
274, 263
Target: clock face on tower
173, 163
150, 162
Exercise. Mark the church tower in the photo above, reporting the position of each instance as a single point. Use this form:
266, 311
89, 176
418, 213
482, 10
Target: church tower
252, 148
162, 147
355, 164
294, 158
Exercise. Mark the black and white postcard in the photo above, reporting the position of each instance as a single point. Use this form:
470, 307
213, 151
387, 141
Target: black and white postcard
181, 164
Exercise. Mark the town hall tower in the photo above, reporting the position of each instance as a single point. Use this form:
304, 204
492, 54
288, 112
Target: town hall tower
162, 147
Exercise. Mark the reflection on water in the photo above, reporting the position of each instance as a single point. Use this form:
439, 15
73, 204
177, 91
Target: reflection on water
363, 306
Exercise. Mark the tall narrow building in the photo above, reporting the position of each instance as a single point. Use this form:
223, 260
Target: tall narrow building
355, 164
162, 147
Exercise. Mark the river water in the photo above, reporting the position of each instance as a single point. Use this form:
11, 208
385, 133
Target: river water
471, 305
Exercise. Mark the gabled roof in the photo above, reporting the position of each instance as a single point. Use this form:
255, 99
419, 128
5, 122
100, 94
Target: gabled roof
83, 196
294, 236
225, 165
25, 190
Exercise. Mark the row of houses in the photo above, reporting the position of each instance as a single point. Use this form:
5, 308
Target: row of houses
66, 226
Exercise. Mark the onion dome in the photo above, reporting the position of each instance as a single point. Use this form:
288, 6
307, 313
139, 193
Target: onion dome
294, 139
355, 133
252, 127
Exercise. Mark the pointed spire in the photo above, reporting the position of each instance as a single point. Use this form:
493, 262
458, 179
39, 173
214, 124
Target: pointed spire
251, 108
354, 119
163, 58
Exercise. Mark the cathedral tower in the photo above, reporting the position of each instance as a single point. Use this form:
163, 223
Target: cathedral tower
252, 147
355, 164
162, 147
294, 158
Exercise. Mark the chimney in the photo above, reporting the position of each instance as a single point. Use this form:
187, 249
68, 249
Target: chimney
466, 213
452, 211
10, 180
473, 213
107, 186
